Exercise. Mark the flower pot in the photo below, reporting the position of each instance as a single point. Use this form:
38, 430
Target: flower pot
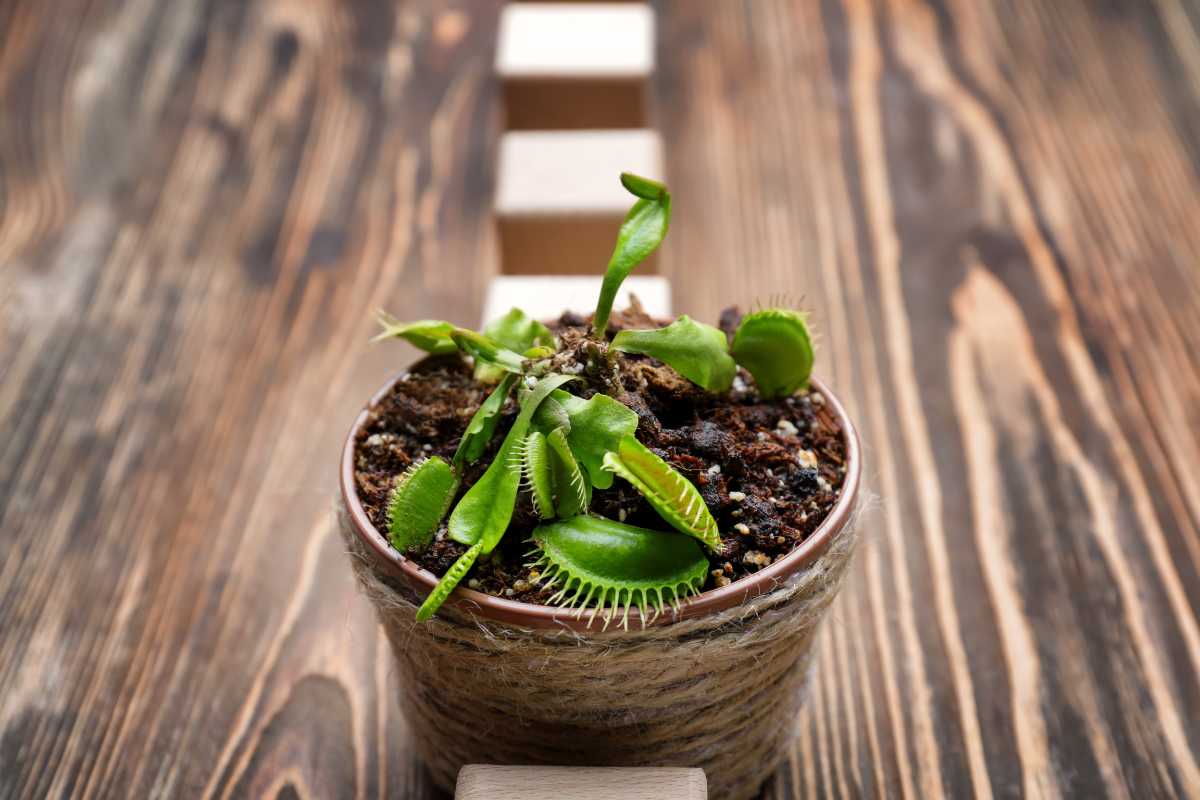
716, 685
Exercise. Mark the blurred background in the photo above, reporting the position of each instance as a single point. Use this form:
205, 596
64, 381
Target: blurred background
989, 208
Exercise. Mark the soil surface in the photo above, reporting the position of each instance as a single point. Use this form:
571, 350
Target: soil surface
770, 471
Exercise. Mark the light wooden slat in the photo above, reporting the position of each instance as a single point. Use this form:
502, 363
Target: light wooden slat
486, 782
559, 201
575, 66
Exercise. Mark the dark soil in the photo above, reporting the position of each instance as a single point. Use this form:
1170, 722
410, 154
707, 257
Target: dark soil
770, 471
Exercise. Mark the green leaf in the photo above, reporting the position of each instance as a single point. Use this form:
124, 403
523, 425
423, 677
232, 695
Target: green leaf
597, 426
537, 472
599, 562
645, 188
643, 230
458, 570
441, 338
483, 349
519, 332
488, 505
775, 346
572, 491
483, 514
419, 500
483, 424
673, 496
551, 416
431, 335
696, 351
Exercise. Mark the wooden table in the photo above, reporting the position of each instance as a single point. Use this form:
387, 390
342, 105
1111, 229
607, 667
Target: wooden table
991, 208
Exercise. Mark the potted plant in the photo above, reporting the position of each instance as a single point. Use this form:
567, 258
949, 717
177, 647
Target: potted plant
607, 540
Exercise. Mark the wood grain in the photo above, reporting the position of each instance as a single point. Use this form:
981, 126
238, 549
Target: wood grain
990, 208
491, 782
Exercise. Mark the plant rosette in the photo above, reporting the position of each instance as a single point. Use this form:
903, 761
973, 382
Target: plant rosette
605, 540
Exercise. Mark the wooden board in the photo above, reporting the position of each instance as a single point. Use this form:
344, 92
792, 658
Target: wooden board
486, 782
575, 66
559, 199
564, 40
990, 209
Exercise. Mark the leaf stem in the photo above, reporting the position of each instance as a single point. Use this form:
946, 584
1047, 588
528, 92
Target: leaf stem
644, 228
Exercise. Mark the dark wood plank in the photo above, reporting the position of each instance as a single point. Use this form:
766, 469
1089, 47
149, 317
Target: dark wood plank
985, 208
203, 203
990, 209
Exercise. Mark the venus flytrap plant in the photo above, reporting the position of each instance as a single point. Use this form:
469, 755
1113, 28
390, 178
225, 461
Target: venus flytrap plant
431, 335
573, 493
481, 518
696, 351
484, 512
775, 347
601, 436
562, 446
551, 415
596, 562
442, 338
487, 352
597, 427
644, 229
420, 498
537, 473
673, 496
483, 423
458, 570
520, 333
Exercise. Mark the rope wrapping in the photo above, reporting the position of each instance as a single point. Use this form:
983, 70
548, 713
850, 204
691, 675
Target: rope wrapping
720, 691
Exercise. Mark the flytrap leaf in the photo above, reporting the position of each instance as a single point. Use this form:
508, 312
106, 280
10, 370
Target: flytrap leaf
572, 491
441, 338
485, 351
696, 351
431, 335
642, 231
600, 563
597, 426
482, 426
673, 496
420, 499
537, 473
483, 514
449, 581
551, 416
520, 333
775, 346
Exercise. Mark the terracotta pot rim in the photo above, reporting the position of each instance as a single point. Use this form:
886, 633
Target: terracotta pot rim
531, 615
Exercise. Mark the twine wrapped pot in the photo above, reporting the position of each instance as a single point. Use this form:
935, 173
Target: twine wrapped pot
716, 686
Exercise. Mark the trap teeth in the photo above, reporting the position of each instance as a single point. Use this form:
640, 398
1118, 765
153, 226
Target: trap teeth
590, 555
